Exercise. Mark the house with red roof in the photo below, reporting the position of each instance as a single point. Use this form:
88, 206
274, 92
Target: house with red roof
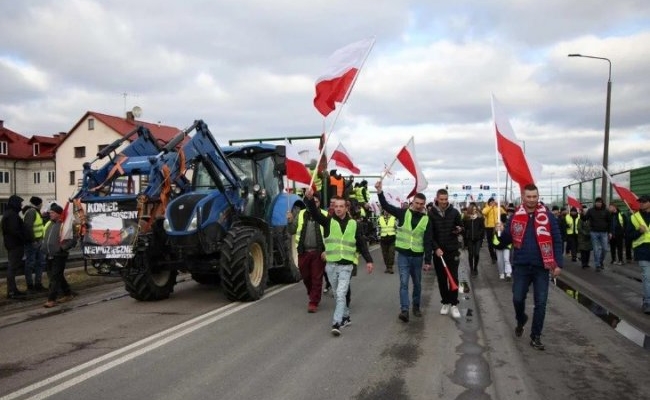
88, 136
27, 165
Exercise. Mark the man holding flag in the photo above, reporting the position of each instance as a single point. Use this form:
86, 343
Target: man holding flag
413, 241
56, 248
537, 241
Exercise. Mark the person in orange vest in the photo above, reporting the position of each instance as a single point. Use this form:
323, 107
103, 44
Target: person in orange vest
336, 184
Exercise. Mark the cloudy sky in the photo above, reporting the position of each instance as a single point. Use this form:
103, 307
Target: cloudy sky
248, 68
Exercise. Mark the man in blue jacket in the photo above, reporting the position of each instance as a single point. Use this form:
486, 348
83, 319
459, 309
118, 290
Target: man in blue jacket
537, 241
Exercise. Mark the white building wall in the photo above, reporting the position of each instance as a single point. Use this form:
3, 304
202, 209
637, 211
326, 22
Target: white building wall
65, 155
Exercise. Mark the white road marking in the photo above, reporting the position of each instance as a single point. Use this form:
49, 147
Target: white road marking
158, 339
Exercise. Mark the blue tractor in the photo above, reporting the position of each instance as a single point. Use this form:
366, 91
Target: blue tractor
218, 214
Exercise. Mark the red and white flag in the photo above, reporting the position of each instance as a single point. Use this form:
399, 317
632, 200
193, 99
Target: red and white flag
572, 200
624, 193
67, 218
407, 157
342, 159
342, 69
296, 170
392, 198
512, 154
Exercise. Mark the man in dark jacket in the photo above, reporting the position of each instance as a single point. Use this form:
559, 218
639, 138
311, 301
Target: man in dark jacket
537, 241
599, 220
447, 226
13, 232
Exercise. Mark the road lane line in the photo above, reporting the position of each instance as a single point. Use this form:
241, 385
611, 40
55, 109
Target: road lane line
167, 336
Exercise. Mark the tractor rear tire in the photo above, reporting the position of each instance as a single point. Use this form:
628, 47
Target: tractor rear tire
243, 264
156, 283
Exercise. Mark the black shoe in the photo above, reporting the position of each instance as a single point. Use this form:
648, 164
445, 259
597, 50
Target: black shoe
519, 330
417, 312
475, 272
574, 260
404, 316
17, 295
346, 321
336, 329
536, 343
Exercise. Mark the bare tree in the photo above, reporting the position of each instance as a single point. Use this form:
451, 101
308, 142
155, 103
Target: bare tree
585, 169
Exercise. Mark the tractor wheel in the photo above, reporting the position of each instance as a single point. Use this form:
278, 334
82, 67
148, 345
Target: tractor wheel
206, 279
156, 283
288, 271
243, 264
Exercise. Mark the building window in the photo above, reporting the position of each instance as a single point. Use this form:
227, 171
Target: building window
51, 177
72, 182
4, 176
4, 148
91, 124
37, 149
80, 152
37, 178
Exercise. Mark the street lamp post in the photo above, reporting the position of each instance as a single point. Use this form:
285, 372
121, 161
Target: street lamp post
604, 182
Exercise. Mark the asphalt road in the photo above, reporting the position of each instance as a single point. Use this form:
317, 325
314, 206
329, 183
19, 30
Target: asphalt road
197, 345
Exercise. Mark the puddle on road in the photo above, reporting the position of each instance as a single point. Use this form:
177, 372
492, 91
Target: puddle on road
621, 326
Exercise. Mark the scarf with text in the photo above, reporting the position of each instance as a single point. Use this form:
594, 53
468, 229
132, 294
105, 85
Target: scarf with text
542, 231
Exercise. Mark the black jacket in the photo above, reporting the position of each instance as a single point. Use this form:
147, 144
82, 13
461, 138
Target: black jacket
598, 219
445, 233
13, 227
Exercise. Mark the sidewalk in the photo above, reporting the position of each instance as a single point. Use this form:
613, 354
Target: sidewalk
615, 295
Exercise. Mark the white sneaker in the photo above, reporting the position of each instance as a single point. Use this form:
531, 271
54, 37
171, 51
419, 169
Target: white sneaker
502, 276
445, 309
455, 312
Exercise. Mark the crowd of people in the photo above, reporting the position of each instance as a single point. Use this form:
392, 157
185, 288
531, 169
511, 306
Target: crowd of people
34, 235
527, 245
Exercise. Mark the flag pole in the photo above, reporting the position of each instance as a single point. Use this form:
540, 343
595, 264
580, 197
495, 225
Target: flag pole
496, 159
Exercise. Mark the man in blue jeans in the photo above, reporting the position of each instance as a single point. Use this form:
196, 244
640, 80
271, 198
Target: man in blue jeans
342, 240
414, 238
537, 241
599, 221
640, 234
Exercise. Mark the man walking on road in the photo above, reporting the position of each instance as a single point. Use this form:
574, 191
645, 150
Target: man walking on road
537, 241
413, 241
447, 226
342, 241
387, 224
491, 217
309, 239
640, 234
598, 218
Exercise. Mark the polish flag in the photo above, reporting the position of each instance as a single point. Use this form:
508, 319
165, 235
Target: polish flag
624, 193
343, 159
572, 200
66, 223
507, 145
340, 74
296, 170
407, 157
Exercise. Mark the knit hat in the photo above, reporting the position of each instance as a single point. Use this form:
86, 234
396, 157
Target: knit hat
56, 208
573, 209
555, 208
643, 198
37, 201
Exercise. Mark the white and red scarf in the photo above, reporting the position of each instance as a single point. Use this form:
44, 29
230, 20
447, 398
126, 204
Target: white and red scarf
542, 231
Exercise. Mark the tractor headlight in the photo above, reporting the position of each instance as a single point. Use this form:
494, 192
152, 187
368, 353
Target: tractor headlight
262, 193
194, 224
256, 188
167, 225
